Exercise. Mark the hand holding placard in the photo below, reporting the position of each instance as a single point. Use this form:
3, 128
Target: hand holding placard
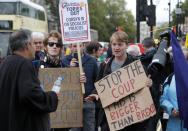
121, 83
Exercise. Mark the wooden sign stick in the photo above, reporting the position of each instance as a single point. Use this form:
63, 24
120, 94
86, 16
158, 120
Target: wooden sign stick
80, 65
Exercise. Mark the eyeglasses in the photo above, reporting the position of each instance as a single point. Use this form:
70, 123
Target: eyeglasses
58, 45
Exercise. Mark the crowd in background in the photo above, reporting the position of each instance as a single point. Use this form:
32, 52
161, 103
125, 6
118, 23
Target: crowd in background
51, 53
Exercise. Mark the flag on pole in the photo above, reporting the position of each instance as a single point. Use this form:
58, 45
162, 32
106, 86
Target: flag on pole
181, 73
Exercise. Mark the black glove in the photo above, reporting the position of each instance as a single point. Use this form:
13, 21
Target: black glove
153, 69
166, 35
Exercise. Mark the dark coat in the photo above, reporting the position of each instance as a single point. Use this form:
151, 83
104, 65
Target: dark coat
90, 69
159, 77
38, 63
24, 105
102, 121
40, 55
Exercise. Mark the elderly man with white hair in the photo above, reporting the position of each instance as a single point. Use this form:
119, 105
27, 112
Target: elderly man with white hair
37, 38
133, 50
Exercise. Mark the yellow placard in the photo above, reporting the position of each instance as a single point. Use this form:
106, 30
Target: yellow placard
186, 44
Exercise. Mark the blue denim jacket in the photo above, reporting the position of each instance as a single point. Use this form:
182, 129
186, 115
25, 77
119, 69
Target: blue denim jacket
90, 69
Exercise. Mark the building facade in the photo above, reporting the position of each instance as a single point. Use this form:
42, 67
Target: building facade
144, 31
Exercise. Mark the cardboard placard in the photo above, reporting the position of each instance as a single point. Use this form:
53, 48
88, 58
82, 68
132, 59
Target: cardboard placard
131, 109
121, 83
74, 17
69, 112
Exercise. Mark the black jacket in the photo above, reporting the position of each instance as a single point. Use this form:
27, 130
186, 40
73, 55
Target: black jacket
24, 106
155, 89
90, 69
101, 115
159, 76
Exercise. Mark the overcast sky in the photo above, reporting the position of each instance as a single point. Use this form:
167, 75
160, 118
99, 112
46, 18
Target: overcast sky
162, 14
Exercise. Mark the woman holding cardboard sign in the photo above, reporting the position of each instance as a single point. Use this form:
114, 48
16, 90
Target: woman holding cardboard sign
52, 58
119, 44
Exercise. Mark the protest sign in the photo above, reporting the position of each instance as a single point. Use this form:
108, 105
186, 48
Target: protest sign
131, 109
74, 17
69, 111
121, 83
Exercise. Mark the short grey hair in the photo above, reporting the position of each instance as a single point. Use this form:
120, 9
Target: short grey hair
19, 39
133, 50
37, 35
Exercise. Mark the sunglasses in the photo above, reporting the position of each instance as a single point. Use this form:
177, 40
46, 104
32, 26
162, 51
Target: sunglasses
51, 44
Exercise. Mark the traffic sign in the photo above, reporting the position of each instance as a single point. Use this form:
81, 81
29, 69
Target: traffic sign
185, 28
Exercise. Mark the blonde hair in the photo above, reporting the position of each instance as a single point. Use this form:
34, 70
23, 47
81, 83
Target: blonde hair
119, 36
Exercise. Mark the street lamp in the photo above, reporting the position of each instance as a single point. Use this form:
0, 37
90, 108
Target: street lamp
178, 12
169, 4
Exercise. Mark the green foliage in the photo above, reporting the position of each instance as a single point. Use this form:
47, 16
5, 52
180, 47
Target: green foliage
185, 7
105, 17
54, 9
159, 30
180, 18
97, 18
117, 15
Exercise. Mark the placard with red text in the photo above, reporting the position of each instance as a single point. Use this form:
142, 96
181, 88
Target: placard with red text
121, 83
74, 17
131, 109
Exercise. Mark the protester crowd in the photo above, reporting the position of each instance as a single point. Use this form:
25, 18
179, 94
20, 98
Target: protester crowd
26, 107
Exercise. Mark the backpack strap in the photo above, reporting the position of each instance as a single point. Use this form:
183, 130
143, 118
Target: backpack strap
105, 65
169, 79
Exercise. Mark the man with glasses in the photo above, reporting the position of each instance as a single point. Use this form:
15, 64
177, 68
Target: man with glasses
24, 105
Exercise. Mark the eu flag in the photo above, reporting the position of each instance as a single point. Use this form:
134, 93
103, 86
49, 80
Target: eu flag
181, 73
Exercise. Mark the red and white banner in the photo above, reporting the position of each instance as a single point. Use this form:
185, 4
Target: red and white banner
74, 17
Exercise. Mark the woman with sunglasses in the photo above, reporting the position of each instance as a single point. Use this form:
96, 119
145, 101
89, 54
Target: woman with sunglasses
52, 59
52, 48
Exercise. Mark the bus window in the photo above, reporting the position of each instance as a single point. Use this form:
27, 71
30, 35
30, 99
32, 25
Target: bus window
24, 10
4, 37
5, 25
41, 15
32, 12
8, 8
